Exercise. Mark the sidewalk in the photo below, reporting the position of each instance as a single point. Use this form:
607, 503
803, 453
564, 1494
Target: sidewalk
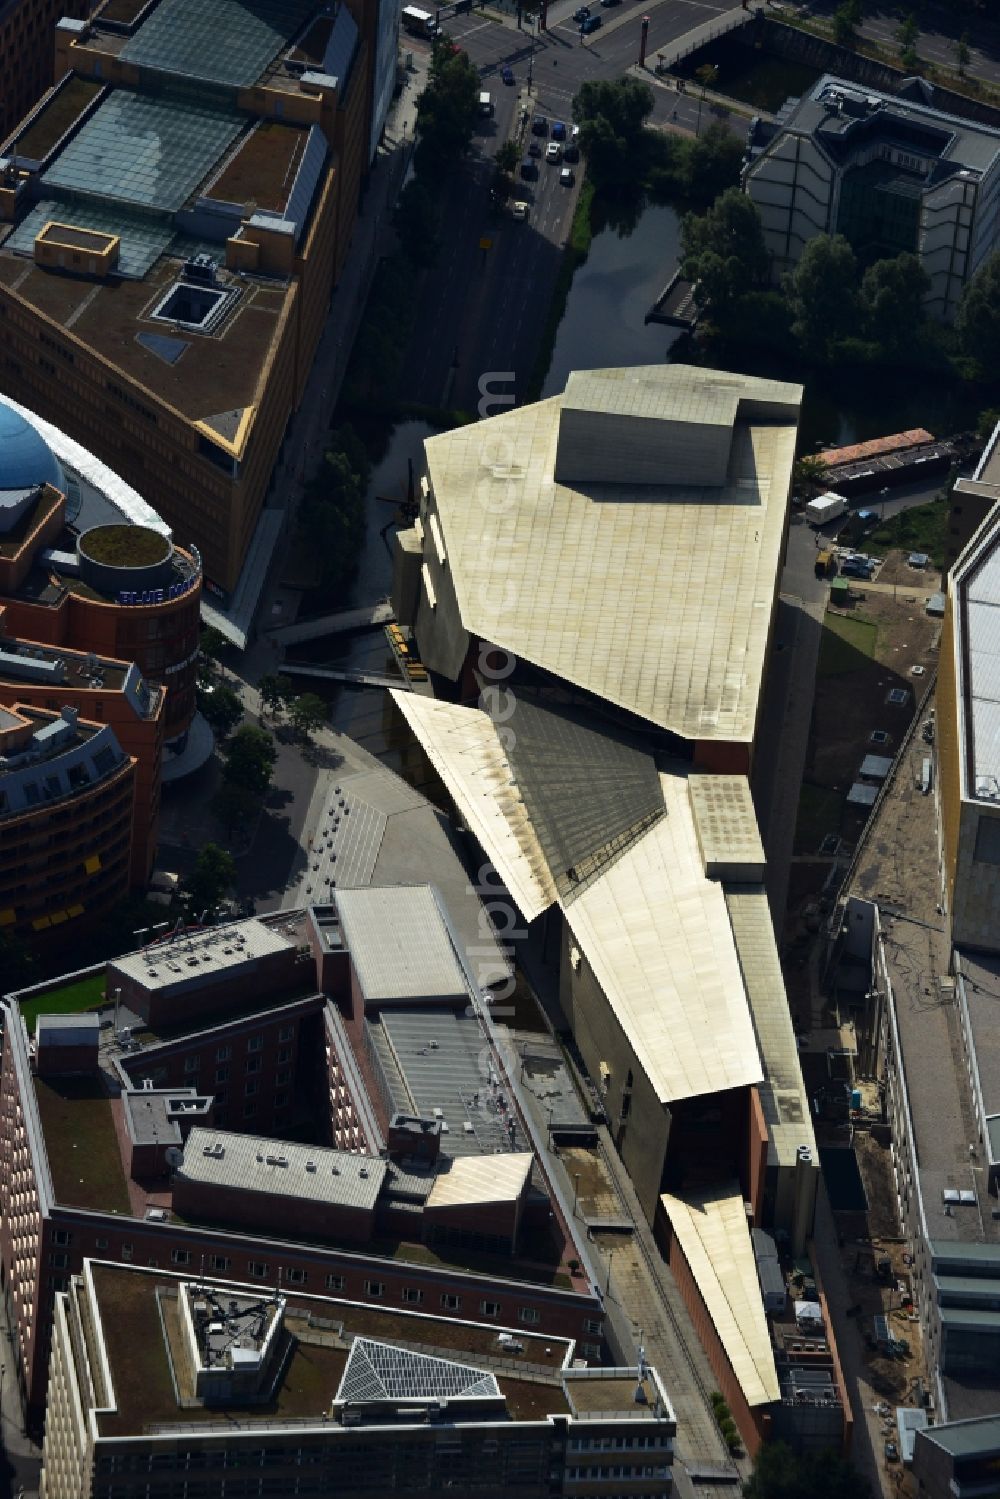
303, 449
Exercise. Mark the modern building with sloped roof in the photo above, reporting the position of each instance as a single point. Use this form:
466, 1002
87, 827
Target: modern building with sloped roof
649, 878
892, 174
622, 540
174, 216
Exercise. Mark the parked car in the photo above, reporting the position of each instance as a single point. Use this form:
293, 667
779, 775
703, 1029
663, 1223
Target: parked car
571, 152
590, 24
553, 151
558, 130
519, 210
608, 3
891, 1452
528, 170
534, 149
566, 177
507, 74
539, 125
579, 16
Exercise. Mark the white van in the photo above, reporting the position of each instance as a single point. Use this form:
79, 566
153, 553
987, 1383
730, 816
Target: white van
485, 104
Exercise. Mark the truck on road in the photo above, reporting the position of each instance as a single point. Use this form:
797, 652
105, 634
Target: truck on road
826, 507
418, 22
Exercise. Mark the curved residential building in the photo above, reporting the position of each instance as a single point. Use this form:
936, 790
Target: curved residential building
85, 563
67, 792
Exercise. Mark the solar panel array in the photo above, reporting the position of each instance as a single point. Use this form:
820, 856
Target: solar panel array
381, 1371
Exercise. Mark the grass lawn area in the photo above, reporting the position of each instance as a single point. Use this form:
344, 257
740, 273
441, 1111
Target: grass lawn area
922, 529
70, 999
845, 639
819, 814
82, 1145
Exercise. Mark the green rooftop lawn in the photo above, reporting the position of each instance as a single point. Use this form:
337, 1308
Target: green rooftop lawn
82, 1145
68, 999
847, 644
140, 1361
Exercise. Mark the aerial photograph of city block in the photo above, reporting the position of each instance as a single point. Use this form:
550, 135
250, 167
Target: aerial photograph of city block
500, 749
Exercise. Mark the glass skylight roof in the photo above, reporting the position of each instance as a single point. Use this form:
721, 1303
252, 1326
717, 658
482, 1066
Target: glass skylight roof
143, 240
148, 151
221, 41
381, 1371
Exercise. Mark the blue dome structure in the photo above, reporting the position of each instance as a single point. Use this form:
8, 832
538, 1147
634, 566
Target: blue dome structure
26, 460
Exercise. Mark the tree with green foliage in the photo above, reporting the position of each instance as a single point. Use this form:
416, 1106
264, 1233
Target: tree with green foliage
823, 291
211, 645
235, 806
706, 75
907, 36
892, 300
978, 321
711, 162
276, 692
986, 425
250, 758
507, 157
221, 708
612, 115
214, 872
846, 20
808, 473
962, 53
308, 713
780, 1473
417, 222
447, 109
332, 513
723, 252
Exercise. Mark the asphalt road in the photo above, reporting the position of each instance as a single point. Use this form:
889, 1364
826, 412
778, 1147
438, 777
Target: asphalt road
939, 31
481, 310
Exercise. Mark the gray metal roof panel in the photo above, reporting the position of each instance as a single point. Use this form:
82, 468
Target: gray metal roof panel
399, 944
251, 1163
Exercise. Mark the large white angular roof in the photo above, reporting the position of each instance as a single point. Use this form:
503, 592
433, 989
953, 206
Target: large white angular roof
711, 1227
653, 926
651, 584
656, 932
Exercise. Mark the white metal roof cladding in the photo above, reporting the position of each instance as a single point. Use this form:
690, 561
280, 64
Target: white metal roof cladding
711, 1227
399, 944
472, 1179
976, 639
782, 1094
190, 955
463, 747
653, 927
654, 596
250, 1163
656, 933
